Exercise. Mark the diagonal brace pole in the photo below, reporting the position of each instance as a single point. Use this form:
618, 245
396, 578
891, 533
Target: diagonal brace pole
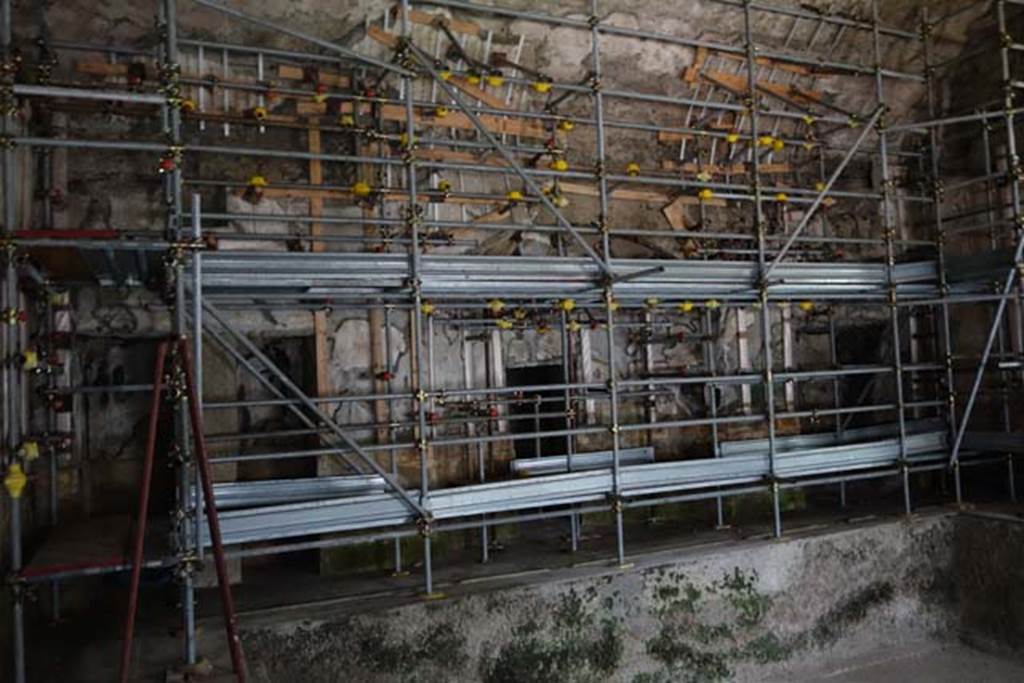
824, 192
992, 333
226, 346
316, 411
426, 62
326, 44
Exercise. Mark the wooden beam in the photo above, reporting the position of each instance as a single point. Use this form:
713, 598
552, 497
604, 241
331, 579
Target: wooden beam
739, 84
699, 57
492, 101
723, 169
468, 28
331, 78
628, 194
455, 119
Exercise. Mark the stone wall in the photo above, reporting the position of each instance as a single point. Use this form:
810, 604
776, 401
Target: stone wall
743, 613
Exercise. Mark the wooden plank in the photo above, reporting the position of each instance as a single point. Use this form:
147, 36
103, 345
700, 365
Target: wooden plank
699, 57
492, 101
739, 84
627, 194
381, 36
672, 136
454, 25
97, 68
331, 78
675, 214
719, 169
396, 112
767, 61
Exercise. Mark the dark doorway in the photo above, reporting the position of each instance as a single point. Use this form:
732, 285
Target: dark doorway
549, 404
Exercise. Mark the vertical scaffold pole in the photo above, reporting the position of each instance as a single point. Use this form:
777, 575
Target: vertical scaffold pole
889, 227
763, 266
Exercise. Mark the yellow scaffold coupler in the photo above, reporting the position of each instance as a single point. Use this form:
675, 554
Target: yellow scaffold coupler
29, 450
543, 86
29, 359
15, 480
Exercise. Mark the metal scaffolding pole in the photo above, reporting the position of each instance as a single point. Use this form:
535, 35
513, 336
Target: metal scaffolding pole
14, 479
1013, 167
889, 226
420, 306
940, 238
609, 289
764, 269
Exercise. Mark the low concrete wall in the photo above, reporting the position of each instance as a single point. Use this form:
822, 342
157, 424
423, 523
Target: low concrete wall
744, 612
990, 580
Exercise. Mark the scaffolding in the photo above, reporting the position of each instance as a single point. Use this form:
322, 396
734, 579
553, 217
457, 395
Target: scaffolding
434, 124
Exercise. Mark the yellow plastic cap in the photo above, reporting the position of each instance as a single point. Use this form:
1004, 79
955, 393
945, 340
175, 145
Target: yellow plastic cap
566, 125
782, 197
778, 145
496, 305
712, 304
633, 169
567, 304
705, 194
30, 359
504, 324
427, 308
685, 306
495, 80
559, 165
732, 138
806, 306
15, 480
543, 87
514, 196
440, 112
258, 181
361, 189
29, 450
